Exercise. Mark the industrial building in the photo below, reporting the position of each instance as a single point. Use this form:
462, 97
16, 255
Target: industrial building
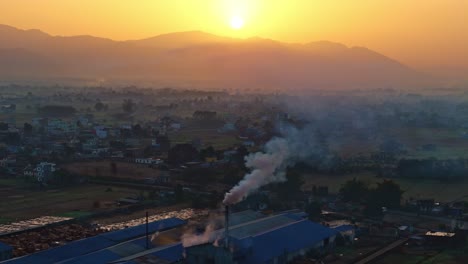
252, 238
102, 248
5, 251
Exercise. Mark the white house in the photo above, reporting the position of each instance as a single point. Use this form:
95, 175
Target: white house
149, 161
7, 161
176, 126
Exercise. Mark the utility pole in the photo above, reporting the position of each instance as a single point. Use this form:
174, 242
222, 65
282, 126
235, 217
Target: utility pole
147, 234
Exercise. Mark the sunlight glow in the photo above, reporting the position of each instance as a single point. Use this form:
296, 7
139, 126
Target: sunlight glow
237, 22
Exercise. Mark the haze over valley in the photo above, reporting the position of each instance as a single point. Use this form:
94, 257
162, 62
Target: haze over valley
200, 60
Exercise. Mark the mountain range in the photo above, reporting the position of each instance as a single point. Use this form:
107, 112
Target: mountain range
198, 59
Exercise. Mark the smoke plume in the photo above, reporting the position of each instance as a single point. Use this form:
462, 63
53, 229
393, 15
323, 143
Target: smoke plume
323, 128
208, 236
270, 165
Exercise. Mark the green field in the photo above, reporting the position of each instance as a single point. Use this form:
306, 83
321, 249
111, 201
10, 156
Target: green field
414, 188
19, 203
400, 259
209, 137
448, 256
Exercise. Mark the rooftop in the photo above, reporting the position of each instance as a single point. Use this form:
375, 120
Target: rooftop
102, 248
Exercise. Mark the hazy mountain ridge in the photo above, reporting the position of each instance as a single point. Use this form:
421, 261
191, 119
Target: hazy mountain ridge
198, 58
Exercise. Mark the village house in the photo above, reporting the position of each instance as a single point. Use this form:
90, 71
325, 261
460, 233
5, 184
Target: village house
7, 161
100, 132
57, 126
9, 108
149, 161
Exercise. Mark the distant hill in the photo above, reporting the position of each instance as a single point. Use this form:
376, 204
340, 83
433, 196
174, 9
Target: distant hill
180, 40
199, 59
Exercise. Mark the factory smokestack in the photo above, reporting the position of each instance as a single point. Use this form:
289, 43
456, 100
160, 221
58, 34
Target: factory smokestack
226, 226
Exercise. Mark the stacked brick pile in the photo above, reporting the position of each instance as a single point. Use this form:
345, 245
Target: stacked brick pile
33, 241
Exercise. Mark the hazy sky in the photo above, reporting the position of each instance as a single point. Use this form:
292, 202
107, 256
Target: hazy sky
426, 34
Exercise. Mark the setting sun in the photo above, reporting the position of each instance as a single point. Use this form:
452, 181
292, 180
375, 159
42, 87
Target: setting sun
237, 22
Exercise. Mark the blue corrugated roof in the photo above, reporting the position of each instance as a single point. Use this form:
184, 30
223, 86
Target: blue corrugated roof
141, 242
76, 249
289, 238
171, 253
137, 231
103, 256
5, 247
28, 260
244, 217
259, 226
297, 216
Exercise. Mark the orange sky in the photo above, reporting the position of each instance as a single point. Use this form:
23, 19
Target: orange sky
426, 34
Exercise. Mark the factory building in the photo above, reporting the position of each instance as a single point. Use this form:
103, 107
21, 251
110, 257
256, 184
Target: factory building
252, 238
5, 251
103, 248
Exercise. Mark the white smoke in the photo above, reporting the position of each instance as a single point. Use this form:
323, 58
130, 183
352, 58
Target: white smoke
270, 165
154, 236
329, 123
209, 236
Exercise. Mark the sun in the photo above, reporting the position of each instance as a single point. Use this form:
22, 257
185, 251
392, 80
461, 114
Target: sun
237, 22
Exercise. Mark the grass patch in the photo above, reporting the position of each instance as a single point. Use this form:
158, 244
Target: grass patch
75, 214
400, 259
12, 182
209, 137
5, 220
459, 255
415, 188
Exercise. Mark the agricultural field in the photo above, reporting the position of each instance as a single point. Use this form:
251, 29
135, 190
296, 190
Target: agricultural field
19, 203
447, 256
103, 169
414, 188
449, 143
208, 137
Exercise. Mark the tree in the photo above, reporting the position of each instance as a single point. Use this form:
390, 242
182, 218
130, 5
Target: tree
214, 199
242, 152
313, 210
27, 128
69, 151
354, 191
137, 130
387, 194
182, 153
204, 115
3, 126
57, 110
97, 171
179, 193
207, 152
99, 106
113, 166
128, 106
391, 146
291, 188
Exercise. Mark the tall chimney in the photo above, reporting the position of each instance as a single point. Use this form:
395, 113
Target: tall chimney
226, 226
